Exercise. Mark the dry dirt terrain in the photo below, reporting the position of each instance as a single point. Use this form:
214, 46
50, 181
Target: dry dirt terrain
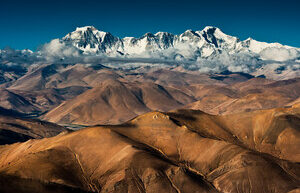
178, 151
96, 94
15, 128
113, 101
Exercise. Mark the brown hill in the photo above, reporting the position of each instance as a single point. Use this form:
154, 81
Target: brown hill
63, 87
253, 94
36, 102
181, 151
45, 85
61, 76
113, 102
47, 99
15, 102
14, 128
48, 85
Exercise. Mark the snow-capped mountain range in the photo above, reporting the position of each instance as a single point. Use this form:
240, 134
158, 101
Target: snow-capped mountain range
189, 45
208, 50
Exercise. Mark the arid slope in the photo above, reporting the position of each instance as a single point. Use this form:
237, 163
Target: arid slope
113, 102
180, 151
14, 128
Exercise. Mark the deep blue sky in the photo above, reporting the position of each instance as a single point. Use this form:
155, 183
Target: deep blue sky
28, 24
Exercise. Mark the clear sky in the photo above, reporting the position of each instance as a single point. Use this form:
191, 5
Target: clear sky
30, 23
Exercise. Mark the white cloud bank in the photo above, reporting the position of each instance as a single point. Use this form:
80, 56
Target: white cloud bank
279, 54
57, 49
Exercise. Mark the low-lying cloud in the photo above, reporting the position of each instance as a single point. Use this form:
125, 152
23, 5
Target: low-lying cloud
279, 54
58, 51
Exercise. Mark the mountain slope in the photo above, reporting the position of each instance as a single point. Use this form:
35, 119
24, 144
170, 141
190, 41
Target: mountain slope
113, 102
182, 151
13, 101
14, 128
254, 94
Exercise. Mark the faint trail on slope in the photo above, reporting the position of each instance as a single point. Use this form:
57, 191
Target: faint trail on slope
172, 184
90, 185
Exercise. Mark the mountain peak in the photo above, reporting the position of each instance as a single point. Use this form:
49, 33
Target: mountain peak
210, 28
189, 31
148, 34
160, 33
85, 28
191, 44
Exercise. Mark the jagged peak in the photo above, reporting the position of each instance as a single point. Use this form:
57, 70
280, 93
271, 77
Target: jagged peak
211, 28
213, 31
148, 34
88, 30
189, 32
92, 29
90, 38
85, 28
160, 33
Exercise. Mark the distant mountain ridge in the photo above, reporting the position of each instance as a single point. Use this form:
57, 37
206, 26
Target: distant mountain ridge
205, 43
207, 51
